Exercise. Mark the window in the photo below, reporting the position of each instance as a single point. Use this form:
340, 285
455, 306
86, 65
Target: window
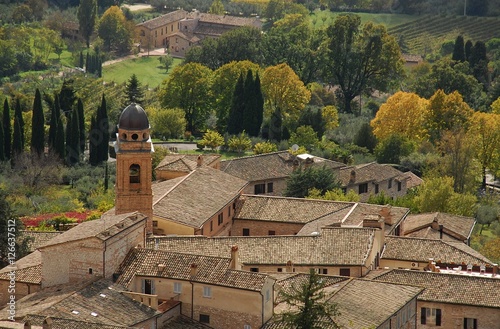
162, 31
470, 323
259, 189
399, 186
90, 270
325, 271
177, 287
280, 269
345, 271
220, 218
376, 188
207, 292
204, 318
363, 188
254, 269
135, 174
389, 184
148, 286
269, 187
430, 316
211, 226
171, 27
229, 212
247, 326
246, 232
271, 233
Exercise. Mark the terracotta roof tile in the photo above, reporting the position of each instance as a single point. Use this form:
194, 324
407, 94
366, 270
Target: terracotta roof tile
334, 246
449, 288
164, 19
369, 172
104, 228
420, 250
291, 210
63, 323
28, 269
185, 162
211, 270
195, 198
412, 180
452, 224
367, 304
183, 322
38, 238
223, 19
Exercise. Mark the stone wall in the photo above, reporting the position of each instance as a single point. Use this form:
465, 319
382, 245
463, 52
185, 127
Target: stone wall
262, 228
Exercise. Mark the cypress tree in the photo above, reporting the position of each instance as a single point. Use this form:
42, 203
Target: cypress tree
67, 97
17, 141
59, 146
18, 114
87, 62
2, 144
81, 127
38, 125
458, 50
235, 120
53, 124
276, 126
73, 139
259, 104
7, 130
468, 50
479, 63
81, 60
93, 135
249, 101
102, 124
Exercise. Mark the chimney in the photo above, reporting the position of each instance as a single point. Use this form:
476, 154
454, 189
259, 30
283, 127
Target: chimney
27, 325
385, 212
289, 266
199, 161
235, 261
495, 270
194, 270
47, 323
352, 178
376, 221
441, 231
161, 267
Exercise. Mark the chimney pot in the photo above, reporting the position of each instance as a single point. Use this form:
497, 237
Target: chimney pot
235, 263
194, 270
289, 266
199, 161
495, 270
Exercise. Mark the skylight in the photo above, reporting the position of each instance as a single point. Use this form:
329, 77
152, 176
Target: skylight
93, 313
75, 312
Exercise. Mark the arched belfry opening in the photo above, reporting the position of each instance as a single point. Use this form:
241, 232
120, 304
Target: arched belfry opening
134, 170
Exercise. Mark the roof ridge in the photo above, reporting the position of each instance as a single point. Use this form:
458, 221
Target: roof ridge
149, 250
254, 156
173, 187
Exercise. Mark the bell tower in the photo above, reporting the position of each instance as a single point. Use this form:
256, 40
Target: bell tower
134, 164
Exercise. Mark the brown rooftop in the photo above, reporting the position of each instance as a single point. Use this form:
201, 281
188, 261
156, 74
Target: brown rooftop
369, 172
449, 288
427, 225
164, 19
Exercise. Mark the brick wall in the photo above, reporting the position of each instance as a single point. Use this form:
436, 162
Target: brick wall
262, 228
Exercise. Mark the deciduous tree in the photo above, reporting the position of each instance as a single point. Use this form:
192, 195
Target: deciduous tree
302, 180
404, 114
240, 143
168, 123
189, 87
87, 16
361, 58
216, 8
212, 139
116, 32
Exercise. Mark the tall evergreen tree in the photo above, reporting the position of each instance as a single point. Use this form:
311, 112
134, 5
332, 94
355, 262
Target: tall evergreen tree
459, 50
73, 139
87, 17
81, 63
2, 144
479, 63
102, 124
54, 118
87, 62
259, 105
38, 125
81, 122
134, 91
93, 142
59, 145
17, 140
7, 130
18, 114
235, 122
276, 126
468, 50
67, 97
248, 118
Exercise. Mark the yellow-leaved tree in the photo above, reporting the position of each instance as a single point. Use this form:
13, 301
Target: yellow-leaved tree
403, 114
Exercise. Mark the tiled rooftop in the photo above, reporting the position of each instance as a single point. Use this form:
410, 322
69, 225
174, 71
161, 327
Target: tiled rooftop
183, 322
412, 180
420, 225
290, 210
334, 246
185, 162
223, 19
164, 19
420, 250
297, 280
28, 269
63, 323
449, 288
368, 304
211, 270
270, 165
369, 172
104, 228
38, 238
193, 199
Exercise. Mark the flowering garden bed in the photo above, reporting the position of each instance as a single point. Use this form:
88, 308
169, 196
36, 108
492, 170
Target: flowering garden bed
55, 219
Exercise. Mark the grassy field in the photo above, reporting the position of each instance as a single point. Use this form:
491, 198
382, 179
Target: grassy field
147, 69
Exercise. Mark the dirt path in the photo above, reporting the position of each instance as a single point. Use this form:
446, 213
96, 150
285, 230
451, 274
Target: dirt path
154, 52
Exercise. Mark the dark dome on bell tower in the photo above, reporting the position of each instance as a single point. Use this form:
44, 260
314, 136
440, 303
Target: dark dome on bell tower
133, 117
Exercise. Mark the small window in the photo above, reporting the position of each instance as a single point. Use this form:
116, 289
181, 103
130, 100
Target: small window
254, 269
363, 188
269, 187
345, 272
247, 326
147, 287
177, 287
204, 318
220, 218
156, 33
155, 223
134, 174
162, 31
171, 27
470, 323
229, 211
246, 232
376, 188
399, 186
280, 269
207, 292
324, 271
430, 316
389, 184
90, 270
259, 188
211, 226
271, 233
